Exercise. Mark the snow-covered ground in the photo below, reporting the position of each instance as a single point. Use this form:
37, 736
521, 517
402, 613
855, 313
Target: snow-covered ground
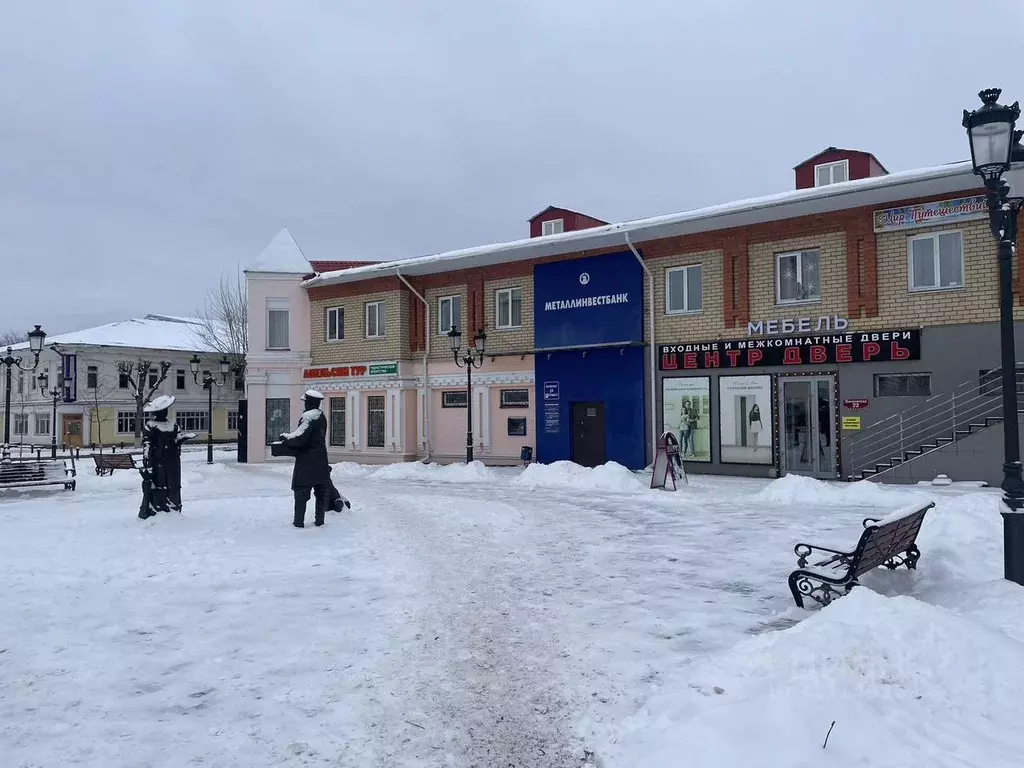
464, 616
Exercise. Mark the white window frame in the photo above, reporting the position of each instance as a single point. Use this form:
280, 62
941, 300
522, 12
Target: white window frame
934, 236
339, 324
124, 418
549, 227
844, 164
19, 424
441, 330
191, 421
92, 371
381, 332
279, 305
685, 269
180, 379
40, 415
498, 294
799, 270
232, 416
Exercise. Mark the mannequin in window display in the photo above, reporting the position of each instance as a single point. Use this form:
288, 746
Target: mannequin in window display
161, 459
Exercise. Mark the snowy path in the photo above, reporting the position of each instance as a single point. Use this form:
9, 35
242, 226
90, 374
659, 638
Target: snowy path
441, 622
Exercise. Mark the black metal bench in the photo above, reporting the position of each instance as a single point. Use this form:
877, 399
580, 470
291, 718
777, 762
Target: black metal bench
27, 474
106, 463
890, 541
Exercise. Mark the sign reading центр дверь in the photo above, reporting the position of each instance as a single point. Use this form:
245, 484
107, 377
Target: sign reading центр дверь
940, 212
341, 371
858, 347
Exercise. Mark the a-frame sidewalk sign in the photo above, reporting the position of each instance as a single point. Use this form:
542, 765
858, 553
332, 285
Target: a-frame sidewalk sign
668, 467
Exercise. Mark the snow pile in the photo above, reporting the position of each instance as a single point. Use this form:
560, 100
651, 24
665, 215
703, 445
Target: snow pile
567, 474
349, 469
806, 491
476, 472
906, 683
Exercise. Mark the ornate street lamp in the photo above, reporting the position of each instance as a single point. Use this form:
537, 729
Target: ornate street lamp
56, 394
35, 344
999, 160
469, 361
208, 383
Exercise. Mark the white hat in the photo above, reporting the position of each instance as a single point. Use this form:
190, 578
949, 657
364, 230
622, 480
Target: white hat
161, 403
313, 394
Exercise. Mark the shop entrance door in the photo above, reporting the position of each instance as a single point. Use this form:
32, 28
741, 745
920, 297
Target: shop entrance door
588, 437
71, 429
808, 426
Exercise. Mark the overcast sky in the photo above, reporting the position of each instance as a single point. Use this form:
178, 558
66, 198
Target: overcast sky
147, 147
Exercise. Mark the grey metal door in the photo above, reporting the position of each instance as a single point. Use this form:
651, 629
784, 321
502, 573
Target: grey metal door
807, 427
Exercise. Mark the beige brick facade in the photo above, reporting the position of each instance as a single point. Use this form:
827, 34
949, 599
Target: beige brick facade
704, 325
440, 346
509, 340
976, 302
355, 347
763, 278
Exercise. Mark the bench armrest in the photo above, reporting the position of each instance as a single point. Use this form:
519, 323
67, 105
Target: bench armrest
804, 550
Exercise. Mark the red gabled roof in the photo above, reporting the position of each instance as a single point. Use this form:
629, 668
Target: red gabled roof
331, 266
828, 150
566, 210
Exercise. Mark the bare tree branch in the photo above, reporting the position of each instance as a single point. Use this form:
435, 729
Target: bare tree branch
142, 386
223, 323
10, 338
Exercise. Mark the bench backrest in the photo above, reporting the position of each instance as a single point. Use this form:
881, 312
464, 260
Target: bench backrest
878, 543
114, 461
31, 472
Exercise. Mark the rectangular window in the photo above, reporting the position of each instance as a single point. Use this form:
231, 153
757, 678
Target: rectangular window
20, 423
515, 398
449, 313
154, 375
191, 421
335, 324
903, 384
796, 277
278, 417
179, 379
376, 320
375, 421
126, 422
277, 328
92, 377
232, 421
338, 421
456, 398
991, 382
553, 227
42, 423
831, 173
517, 427
122, 380
509, 308
684, 288
936, 262
21, 384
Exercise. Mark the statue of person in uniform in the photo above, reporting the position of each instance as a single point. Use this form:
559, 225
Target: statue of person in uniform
161, 459
312, 472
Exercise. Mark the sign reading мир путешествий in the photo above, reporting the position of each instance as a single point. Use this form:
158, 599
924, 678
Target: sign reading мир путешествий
859, 347
925, 214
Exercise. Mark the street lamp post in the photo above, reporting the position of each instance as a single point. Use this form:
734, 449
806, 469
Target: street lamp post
209, 382
469, 361
35, 343
56, 394
998, 159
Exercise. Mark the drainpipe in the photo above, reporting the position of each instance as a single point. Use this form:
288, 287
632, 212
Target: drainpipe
426, 355
654, 351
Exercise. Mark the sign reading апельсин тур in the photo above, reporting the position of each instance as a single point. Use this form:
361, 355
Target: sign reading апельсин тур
858, 347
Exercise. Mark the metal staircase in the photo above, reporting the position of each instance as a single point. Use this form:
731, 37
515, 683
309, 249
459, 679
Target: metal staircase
937, 422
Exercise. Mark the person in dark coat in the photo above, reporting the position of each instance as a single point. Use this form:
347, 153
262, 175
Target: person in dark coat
161, 459
312, 471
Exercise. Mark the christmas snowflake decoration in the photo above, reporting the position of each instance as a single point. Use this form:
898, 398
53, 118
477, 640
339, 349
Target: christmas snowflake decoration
789, 274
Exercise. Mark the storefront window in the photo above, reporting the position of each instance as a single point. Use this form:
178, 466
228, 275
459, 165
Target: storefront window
745, 419
338, 421
278, 417
375, 421
686, 413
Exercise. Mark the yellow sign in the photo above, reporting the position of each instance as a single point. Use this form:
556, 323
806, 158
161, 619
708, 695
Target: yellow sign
851, 422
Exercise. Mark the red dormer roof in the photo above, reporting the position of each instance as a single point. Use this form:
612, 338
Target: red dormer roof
830, 150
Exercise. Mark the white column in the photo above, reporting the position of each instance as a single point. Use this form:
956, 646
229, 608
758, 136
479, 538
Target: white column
390, 439
86, 426
482, 415
421, 418
398, 417
355, 439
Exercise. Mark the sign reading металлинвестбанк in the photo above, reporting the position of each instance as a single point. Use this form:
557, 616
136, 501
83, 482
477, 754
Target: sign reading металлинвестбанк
858, 347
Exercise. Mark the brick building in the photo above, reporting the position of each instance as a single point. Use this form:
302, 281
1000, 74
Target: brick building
815, 331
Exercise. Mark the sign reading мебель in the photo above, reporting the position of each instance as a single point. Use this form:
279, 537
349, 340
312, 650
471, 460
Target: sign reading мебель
793, 325
925, 214
859, 347
343, 371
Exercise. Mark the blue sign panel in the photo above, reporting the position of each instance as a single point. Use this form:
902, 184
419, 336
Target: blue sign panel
550, 390
583, 302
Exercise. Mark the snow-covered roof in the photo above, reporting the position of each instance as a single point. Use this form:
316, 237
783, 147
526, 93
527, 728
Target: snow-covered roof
876, 190
283, 255
148, 332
